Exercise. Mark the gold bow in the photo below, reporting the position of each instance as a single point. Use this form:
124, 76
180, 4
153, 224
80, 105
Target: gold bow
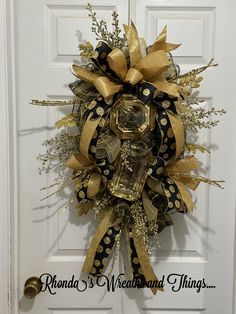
149, 68
179, 172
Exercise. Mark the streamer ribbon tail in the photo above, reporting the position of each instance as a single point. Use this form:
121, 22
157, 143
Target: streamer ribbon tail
140, 262
101, 245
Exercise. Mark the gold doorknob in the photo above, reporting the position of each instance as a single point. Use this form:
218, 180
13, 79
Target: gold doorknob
32, 287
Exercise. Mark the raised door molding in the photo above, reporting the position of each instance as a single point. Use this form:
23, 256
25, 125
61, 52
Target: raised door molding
183, 18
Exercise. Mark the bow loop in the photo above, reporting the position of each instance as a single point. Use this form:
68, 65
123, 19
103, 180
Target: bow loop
133, 44
185, 165
161, 44
150, 68
117, 62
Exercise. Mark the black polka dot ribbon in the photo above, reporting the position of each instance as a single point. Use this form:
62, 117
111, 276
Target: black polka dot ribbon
170, 188
173, 194
96, 136
156, 170
97, 108
82, 191
101, 62
145, 92
94, 140
166, 102
156, 138
167, 149
105, 168
104, 249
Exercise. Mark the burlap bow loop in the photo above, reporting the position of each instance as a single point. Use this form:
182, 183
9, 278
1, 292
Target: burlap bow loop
89, 185
177, 179
180, 170
161, 44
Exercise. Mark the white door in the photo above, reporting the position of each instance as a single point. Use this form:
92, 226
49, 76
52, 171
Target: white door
54, 241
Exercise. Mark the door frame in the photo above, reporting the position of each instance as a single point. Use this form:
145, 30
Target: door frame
8, 162
9, 293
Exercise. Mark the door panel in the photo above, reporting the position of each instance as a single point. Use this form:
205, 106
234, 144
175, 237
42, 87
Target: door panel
51, 239
197, 245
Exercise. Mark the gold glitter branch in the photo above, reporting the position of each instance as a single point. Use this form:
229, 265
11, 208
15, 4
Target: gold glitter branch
99, 28
87, 50
198, 118
37, 102
201, 179
69, 120
190, 80
62, 184
193, 148
199, 70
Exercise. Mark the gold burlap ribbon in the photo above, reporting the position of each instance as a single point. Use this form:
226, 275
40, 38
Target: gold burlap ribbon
179, 172
87, 134
149, 68
80, 162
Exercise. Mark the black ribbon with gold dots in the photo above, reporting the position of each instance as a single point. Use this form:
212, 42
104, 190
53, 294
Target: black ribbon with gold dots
97, 108
165, 101
101, 62
81, 192
105, 168
167, 149
172, 193
156, 170
104, 249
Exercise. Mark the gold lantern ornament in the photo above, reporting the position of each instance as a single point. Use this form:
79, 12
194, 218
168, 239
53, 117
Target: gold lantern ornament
130, 118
